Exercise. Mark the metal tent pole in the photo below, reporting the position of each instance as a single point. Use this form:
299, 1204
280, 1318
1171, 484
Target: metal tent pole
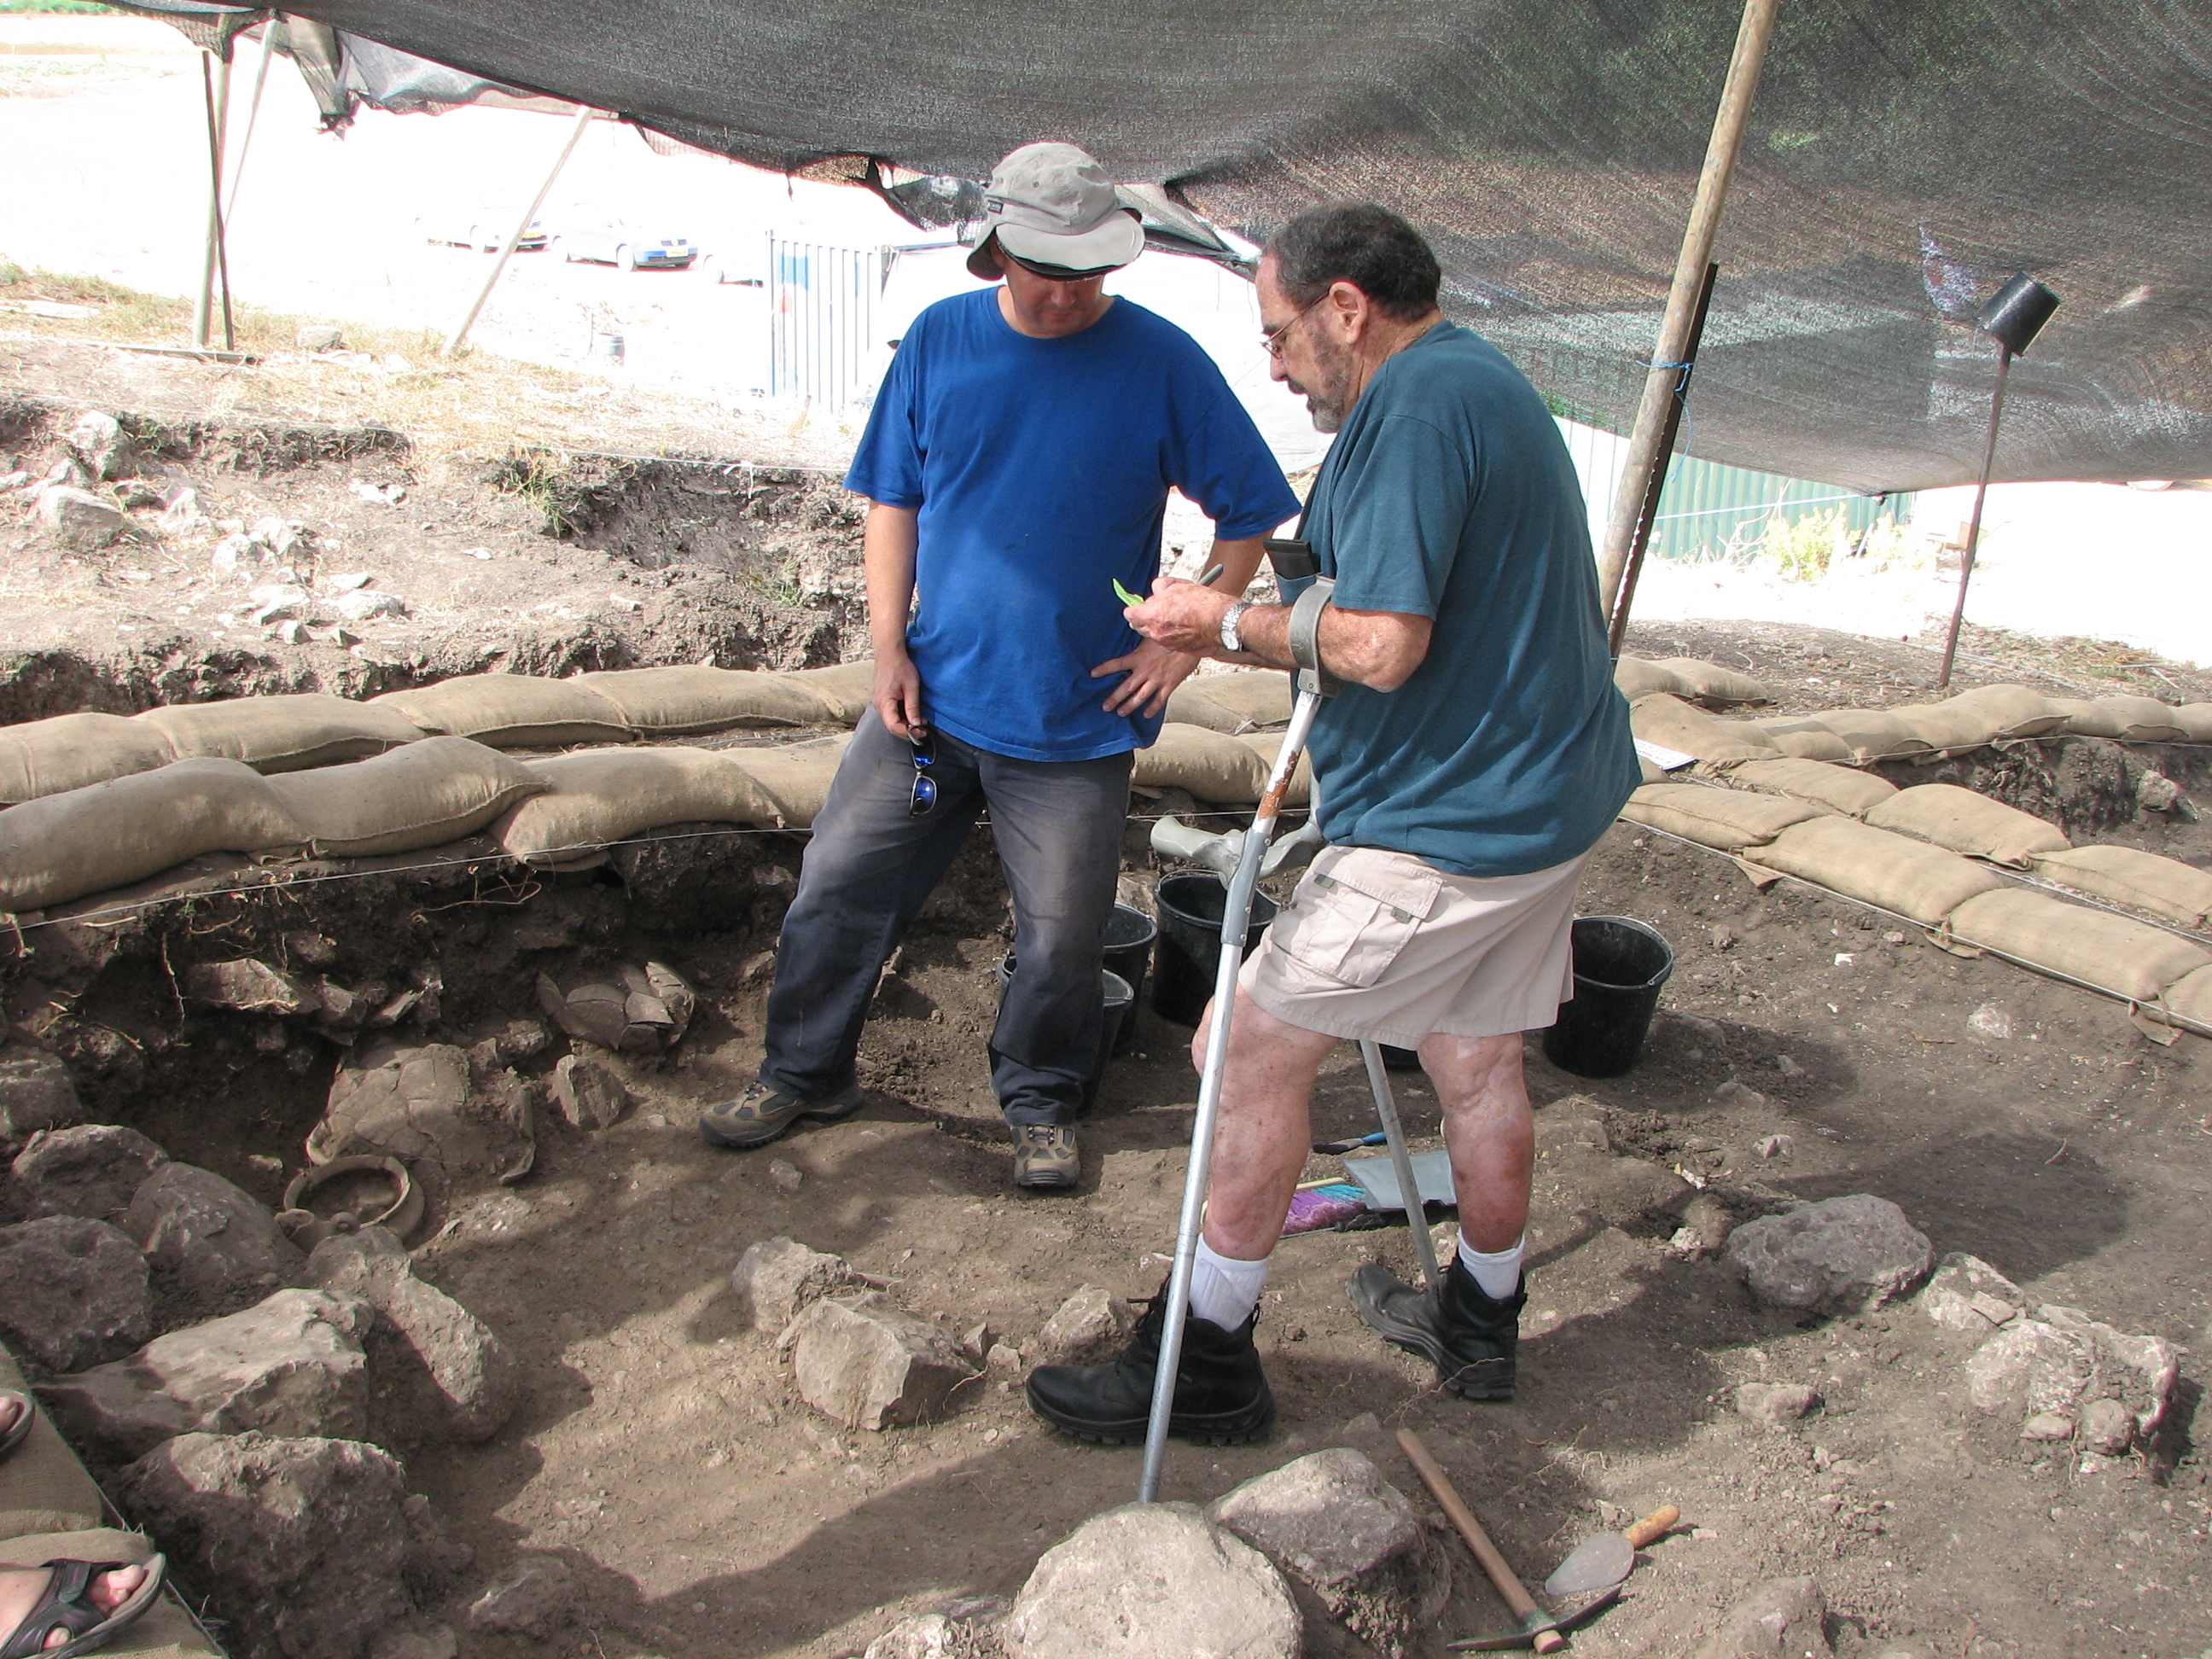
1728, 123
1974, 525
461, 329
212, 77
253, 116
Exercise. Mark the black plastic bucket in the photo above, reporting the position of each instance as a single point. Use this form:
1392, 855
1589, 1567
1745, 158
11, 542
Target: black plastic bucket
1120, 1004
1395, 1059
1129, 935
1190, 952
1620, 967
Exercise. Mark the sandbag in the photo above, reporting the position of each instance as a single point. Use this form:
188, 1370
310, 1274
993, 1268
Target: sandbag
1925, 883
1872, 734
510, 711
1838, 787
1211, 765
109, 835
53, 756
1806, 739
1639, 677
2131, 958
2195, 720
595, 797
1947, 728
434, 791
2189, 998
43, 1488
164, 1630
2165, 888
2144, 719
1269, 744
1968, 823
1730, 819
2012, 711
1232, 702
1672, 724
845, 690
794, 777
1707, 681
2084, 719
281, 734
669, 703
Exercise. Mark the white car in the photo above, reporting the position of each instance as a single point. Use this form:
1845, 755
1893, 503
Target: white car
741, 268
624, 243
481, 225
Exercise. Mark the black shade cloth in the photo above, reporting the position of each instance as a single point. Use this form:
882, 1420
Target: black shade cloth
1905, 157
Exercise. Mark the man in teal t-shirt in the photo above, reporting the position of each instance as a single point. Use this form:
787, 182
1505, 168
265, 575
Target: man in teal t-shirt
1475, 754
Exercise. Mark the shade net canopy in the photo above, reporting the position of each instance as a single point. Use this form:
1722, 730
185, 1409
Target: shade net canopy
1905, 158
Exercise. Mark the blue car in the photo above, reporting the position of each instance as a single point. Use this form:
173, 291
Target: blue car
624, 243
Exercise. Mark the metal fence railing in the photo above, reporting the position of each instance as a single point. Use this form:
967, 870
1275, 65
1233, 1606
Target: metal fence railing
822, 310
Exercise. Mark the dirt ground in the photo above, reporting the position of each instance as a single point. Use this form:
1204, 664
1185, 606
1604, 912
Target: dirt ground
708, 1510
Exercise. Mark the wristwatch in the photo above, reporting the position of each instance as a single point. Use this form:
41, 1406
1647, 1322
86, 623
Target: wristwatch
1229, 619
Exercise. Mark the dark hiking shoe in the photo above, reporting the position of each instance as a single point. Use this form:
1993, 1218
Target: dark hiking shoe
1221, 1396
1469, 1337
1045, 1157
761, 1114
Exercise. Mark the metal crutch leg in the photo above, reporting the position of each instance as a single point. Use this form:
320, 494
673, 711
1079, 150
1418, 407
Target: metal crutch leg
1402, 1162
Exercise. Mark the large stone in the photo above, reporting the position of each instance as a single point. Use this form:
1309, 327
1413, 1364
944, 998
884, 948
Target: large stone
98, 442
1775, 1404
73, 1292
1840, 1255
1331, 1520
292, 1365
534, 1598
776, 1279
250, 987
36, 1092
211, 1242
89, 1171
306, 1540
1966, 1294
1091, 1326
79, 519
1780, 1619
590, 1095
475, 1374
2062, 1361
871, 1365
1153, 1581
415, 1102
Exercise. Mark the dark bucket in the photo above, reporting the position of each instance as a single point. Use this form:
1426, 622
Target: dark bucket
1129, 935
1120, 1003
1395, 1059
1189, 950
1620, 967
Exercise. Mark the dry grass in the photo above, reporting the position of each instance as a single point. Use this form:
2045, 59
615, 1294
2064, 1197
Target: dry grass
2095, 666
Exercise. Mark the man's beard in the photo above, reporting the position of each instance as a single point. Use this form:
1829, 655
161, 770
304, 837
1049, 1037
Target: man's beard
1328, 397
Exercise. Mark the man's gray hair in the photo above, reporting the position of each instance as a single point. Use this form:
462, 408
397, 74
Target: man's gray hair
1357, 242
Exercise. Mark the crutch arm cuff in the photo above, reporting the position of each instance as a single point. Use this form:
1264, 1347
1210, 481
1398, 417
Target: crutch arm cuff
1305, 638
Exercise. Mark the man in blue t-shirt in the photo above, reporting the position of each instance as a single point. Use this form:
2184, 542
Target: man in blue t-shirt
1017, 461
1474, 755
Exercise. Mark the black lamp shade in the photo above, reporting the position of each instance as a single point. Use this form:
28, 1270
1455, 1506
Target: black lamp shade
2017, 313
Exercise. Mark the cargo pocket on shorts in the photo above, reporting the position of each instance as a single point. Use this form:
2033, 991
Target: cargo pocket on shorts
1354, 913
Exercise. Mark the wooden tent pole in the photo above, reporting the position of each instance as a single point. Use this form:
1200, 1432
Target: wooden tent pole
1729, 123
522, 226
1647, 515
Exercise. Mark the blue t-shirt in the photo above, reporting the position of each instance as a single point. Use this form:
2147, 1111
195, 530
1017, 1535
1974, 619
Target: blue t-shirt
1449, 494
1042, 470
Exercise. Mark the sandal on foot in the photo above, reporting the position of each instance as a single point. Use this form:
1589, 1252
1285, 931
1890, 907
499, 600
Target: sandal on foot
13, 1435
68, 1606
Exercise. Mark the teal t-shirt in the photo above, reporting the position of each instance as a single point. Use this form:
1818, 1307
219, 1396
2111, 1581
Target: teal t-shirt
1449, 494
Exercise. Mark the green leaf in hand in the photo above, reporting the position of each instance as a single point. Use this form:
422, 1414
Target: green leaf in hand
1124, 594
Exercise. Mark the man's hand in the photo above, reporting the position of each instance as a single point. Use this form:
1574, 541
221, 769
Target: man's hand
1182, 616
1153, 671
897, 695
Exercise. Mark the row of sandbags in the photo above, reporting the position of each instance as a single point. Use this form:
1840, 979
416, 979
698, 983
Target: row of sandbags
1919, 732
1932, 854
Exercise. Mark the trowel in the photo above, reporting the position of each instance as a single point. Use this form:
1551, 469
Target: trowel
1605, 1559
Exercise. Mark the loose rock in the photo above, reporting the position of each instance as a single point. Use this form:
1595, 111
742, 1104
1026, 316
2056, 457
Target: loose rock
1091, 1326
98, 442
1775, 1404
1965, 1293
2030, 1367
1153, 1581
292, 1365
1332, 1520
476, 1376
209, 1242
79, 519
778, 1277
2108, 1426
918, 1636
361, 605
535, 1598
320, 337
73, 1292
90, 1170
248, 986
784, 1175
1780, 1619
36, 1092
870, 1365
2051, 1426
308, 1538
590, 1095
1842, 1254
1712, 1221
1990, 1021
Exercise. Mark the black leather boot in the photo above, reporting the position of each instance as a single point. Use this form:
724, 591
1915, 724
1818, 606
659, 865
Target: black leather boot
1469, 1336
1221, 1397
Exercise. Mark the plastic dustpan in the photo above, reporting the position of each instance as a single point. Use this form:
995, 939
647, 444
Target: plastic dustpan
1431, 1174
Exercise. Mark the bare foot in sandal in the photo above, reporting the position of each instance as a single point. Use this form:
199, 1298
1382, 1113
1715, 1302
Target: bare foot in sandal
22, 1587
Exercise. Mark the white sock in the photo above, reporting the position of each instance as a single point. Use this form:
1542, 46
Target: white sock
1223, 1290
1498, 1272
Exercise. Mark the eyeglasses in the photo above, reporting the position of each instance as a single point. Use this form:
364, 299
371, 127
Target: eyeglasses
923, 742
1272, 338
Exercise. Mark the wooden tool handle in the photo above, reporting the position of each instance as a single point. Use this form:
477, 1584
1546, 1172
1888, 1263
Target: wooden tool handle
1653, 1527
1518, 1600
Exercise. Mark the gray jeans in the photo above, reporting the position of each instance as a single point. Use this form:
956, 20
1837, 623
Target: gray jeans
872, 863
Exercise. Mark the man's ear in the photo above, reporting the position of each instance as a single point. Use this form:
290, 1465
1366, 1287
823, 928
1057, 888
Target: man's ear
1349, 305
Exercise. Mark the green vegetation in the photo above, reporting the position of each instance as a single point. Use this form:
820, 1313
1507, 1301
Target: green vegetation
1803, 547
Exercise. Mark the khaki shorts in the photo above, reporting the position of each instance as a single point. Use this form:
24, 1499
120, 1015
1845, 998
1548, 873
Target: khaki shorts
1380, 946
